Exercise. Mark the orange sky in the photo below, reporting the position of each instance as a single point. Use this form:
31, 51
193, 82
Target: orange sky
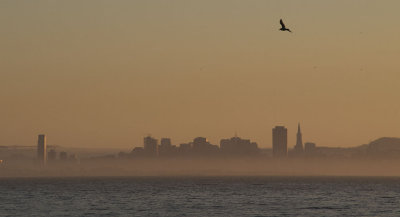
107, 73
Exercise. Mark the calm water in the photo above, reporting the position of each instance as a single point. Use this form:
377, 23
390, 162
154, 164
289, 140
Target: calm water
200, 196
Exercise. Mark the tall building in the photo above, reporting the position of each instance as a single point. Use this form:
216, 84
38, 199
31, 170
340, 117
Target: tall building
41, 149
202, 147
310, 149
185, 148
150, 146
166, 142
298, 148
279, 141
166, 148
238, 146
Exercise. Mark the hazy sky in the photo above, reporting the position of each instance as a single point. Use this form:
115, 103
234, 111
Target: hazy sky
107, 73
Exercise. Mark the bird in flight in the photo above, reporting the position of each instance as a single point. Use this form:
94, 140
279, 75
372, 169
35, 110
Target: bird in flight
283, 27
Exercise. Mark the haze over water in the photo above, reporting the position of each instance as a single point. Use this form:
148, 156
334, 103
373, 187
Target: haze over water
82, 83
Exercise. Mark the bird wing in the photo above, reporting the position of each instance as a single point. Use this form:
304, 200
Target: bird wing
282, 24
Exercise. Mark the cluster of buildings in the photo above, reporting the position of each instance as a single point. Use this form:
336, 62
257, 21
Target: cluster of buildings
234, 146
279, 144
200, 146
238, 147
43, 156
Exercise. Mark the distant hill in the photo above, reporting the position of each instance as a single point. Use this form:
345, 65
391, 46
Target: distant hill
382, 148
385, 143
385, 147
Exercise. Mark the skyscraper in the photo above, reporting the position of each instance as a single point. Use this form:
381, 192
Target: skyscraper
279, 141
150, 146
166, 148
298, 148
309, 149
239, 147
166, 142
41, 149
201, 146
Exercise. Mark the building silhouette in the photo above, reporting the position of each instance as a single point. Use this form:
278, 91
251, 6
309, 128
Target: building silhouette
137, 152
150, 146
52, 155
310, 149
238, 147
185, 149
41, 149
202, 147
298, 148
166, 142
279, 141
166, 148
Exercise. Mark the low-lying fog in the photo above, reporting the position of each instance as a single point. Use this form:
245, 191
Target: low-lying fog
206, 167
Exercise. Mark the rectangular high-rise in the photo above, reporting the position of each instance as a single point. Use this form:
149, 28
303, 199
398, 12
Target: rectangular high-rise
279, 141
41, 149
150, 146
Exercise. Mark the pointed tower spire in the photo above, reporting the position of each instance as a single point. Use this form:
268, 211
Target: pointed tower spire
299, 142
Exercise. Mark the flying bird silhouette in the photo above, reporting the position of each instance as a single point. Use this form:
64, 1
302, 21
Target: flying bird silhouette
284, 27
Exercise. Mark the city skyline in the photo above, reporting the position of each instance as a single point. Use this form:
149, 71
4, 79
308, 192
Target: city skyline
116, 71
199, 108
234, 147
232, 155
200, 146
293, 141
151, 143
